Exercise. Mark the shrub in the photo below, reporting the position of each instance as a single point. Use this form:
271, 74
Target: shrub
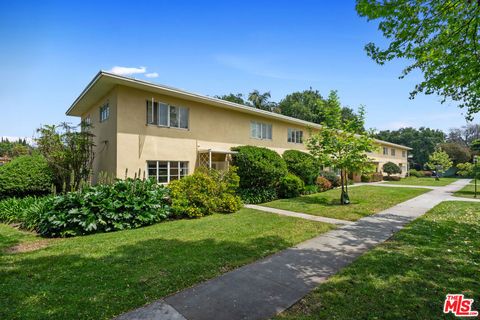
25, 175
25, 211
366, 177
323, 184
125, 204
258, 168
204, 192
391, 168
257, 195
332, 177
310, 189
290, 186
302, 164
391, 178
415, 173
377, 176
466, 169
427, 173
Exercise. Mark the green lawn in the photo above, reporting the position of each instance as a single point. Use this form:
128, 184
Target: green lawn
103, 275
468, 191
365, 200
414, 181
408, 276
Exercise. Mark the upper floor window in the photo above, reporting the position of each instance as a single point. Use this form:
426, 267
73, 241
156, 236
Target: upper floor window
260, 130
385, 150
166, 115
104, 112
295, 136
404, 153
166, 171
87, 120
393, 152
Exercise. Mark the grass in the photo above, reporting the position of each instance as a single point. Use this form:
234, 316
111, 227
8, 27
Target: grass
426, 181
408, 276
468, 191
365, 200
103, 275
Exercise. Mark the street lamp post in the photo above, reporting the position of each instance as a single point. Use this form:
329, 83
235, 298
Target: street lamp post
475, 173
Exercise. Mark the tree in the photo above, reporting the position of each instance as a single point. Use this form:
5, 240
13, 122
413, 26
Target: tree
233, 97
457, 152
69, 153
475, 146
465, 135
441, 38
391, 168
261, 100
342, 149
439, 161
423, 141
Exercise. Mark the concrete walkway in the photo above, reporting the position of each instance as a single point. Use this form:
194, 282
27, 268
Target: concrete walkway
264, 288
383, 184
298, 215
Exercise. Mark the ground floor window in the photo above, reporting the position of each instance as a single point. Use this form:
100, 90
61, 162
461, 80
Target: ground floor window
166, 171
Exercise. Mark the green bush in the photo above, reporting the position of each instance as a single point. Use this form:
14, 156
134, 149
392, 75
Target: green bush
258, 168
366, 177
125, 204
391, 168
323, 184
257, 195
290, 186
415, 173
427, 173
391, 178
25, 175
332, 177
302, 164
310, 189
205, 192
24, 211
466, 170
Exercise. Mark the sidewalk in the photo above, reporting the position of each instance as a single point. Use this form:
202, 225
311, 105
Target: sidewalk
265, 288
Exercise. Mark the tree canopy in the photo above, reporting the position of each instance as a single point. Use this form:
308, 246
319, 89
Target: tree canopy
440, 38
439, 161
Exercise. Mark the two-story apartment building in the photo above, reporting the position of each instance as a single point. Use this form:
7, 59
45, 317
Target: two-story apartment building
166, 133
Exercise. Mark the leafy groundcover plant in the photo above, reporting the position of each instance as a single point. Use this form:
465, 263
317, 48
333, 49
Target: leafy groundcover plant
125, 204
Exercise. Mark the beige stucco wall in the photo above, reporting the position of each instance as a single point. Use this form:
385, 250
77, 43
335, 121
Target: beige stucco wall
105, 150
131, 143
398, 159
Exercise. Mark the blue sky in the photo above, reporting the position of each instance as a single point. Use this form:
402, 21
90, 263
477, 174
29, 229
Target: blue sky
50, 50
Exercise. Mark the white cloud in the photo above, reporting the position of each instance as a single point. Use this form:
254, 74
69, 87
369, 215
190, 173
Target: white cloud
127, 71
151, 75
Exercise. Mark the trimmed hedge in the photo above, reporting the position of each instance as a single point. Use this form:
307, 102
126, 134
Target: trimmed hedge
302, 164
416, 173
391, 178
391, 168
25, 175
257, 195
372, 177
290, 186
205, 192
258, 167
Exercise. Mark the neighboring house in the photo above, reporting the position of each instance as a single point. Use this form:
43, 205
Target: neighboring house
145, 129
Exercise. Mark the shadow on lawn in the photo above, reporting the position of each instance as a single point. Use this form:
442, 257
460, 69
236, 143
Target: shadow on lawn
407, 278
55, 285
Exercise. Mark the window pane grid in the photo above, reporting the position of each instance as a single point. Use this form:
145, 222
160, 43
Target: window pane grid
295, 136
259, 130
162, 114
166, 171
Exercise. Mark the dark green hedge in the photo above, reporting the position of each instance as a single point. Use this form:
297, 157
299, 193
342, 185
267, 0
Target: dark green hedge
303, 165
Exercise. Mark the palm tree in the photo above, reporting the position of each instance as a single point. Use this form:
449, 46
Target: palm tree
261, 100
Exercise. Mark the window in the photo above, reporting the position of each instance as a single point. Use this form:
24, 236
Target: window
260, 130
165, 115
404, 153
385, 150
87, 120
295, 136
393, 152
166, 171
104, 112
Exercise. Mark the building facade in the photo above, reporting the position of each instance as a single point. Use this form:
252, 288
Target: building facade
145, 129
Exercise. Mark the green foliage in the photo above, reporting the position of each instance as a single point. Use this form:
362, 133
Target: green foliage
14, 149
457, 152
25, 211
125, 204
69, 153
416, 173
205, 192
261, 101
391, 168
290, 186
25, 175
257, 195
475, 146
258, 168
391, 178
439, 37
310, 189
439, 161
423, 141
233, 97
332, 177
468, 170
302, 164
323, 184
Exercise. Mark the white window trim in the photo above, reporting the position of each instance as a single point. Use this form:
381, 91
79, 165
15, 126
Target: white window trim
261, 123
168, 169
103, 107
294, 131
168, 126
